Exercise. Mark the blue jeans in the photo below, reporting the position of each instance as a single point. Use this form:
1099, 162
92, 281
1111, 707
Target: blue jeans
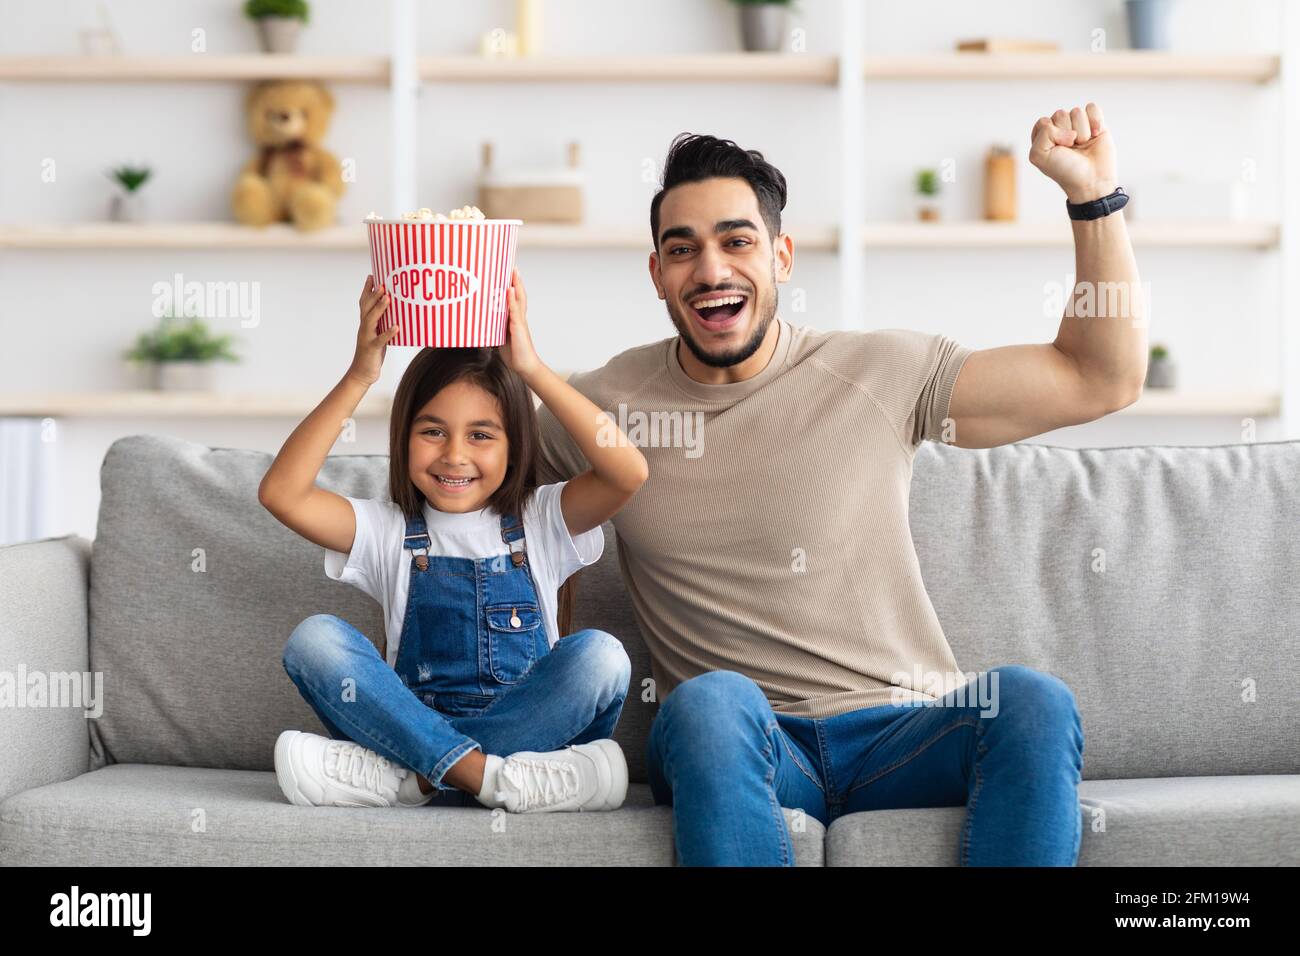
572, 695
728, 763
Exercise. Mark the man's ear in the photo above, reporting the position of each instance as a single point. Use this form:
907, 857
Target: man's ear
783, 250
654, 274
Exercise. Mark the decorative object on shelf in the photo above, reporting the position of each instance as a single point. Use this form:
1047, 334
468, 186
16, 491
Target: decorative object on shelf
927, 191
528, 27
533, 195
127, 204
292, 178
278, 22
1000, 184
763, 24
1007, 45
181, 354
1148, 23
1161, 371
101, 40
498, 44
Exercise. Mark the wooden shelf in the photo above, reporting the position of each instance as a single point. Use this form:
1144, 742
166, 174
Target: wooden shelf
657, 68
230, 235
195, 66
1003, 235
1117, 65
1163, 401
646, 68
155, 404
158, 404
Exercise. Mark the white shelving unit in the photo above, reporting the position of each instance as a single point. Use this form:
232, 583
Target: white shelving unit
847, 75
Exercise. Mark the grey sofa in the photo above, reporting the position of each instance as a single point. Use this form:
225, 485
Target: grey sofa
1161, 583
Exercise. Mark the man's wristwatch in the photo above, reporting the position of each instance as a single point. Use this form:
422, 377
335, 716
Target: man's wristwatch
1098, 207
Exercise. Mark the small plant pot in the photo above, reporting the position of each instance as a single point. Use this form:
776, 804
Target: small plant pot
1148, 24
927, 210
763, 27
139, 375
185, 376
127, 207
1161, 373
279, 34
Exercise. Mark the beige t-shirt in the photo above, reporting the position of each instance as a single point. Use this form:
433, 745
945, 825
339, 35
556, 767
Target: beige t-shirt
772, 536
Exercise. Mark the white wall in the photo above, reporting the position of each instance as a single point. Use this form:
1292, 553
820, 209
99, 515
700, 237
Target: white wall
68, 313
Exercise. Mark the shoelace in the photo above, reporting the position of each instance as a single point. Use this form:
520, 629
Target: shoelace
541, 782
357, 765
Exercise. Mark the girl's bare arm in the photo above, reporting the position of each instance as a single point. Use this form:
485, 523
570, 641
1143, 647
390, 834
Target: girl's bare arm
288, 489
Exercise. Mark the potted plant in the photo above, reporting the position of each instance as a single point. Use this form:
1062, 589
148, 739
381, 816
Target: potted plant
182, 353
278, 22
127, 204
1160, 369
763, 24
1148, 23
927, 191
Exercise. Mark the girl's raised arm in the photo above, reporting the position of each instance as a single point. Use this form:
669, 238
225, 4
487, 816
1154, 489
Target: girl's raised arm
618, 469
288, 489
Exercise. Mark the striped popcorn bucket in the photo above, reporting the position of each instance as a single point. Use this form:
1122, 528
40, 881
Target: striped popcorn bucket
447, 281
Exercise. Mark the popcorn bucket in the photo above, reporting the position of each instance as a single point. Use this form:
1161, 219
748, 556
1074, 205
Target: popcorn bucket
446, 280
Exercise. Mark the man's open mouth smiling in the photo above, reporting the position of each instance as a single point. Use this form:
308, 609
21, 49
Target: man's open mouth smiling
719, 311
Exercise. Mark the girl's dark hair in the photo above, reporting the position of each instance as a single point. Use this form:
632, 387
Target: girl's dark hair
693, 157
429, 373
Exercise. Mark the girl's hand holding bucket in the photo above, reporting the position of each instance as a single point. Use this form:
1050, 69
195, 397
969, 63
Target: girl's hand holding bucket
371, 345
518, 351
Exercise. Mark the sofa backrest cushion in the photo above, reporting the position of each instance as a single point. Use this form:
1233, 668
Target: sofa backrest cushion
1161, 583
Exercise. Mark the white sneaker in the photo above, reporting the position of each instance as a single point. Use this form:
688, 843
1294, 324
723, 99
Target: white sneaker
315, 771
590, 776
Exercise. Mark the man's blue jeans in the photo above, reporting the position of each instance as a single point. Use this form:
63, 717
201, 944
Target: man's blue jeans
728, 763
572, 695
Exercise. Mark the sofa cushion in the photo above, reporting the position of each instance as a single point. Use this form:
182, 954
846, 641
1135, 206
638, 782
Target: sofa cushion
1182, 653
195, 588
137, 814
1187, 821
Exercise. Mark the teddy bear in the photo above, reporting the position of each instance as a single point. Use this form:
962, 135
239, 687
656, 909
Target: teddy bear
291, 178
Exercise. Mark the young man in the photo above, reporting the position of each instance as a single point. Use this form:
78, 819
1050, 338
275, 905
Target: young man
770, 565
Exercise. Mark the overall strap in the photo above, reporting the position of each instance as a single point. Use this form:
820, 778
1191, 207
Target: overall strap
512, 533
417, 537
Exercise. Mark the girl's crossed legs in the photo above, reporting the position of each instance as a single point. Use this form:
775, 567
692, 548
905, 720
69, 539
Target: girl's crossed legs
572, 695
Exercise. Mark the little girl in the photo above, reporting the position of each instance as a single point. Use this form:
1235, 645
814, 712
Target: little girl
479, 693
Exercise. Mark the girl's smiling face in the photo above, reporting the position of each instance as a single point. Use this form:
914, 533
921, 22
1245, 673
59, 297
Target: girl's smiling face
458, 450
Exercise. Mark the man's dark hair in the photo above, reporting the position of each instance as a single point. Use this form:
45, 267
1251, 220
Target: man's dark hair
693, 157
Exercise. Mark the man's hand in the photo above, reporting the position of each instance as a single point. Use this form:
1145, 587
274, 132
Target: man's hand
1076, 151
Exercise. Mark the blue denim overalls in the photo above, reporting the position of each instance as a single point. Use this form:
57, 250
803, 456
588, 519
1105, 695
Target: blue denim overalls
473, 626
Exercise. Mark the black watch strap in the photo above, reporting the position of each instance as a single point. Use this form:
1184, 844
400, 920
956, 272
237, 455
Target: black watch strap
1098, 207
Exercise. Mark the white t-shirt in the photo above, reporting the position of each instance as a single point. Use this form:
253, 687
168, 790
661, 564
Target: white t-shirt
380, 566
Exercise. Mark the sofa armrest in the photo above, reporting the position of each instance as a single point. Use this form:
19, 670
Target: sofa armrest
44, 657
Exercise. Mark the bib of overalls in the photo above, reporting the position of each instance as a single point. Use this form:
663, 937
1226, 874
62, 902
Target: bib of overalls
473, 626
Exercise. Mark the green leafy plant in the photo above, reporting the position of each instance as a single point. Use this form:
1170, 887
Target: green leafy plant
181, 340
1159, 352
257, 9
130, 178
927, 182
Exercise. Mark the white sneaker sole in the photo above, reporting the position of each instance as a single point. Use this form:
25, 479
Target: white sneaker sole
284, 772
615, 769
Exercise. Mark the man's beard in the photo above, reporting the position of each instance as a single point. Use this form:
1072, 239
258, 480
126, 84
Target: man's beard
736, 356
